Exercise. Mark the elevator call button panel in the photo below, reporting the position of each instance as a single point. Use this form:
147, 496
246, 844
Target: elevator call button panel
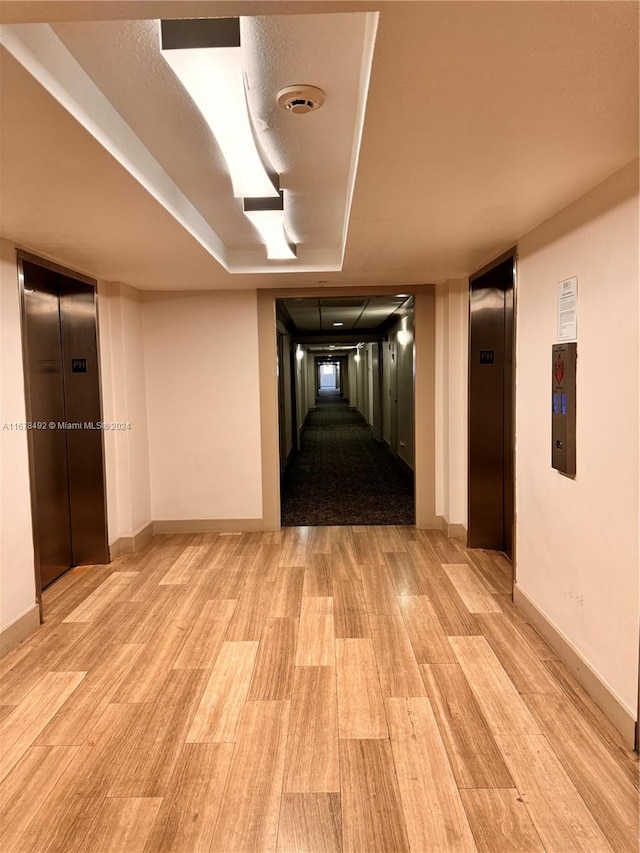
563, 407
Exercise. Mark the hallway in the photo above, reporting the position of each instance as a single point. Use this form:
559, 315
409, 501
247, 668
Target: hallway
335, 688
341, 475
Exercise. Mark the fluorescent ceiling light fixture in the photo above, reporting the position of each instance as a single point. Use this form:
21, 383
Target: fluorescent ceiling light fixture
270, 224
205, 55
267, 214
338, 324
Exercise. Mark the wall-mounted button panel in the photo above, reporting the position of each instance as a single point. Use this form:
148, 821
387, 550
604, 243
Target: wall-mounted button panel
563, 407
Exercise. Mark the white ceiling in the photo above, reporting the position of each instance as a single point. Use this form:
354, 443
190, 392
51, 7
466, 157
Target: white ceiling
482, 120
312, 154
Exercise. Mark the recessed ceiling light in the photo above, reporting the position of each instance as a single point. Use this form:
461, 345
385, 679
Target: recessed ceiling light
338, 324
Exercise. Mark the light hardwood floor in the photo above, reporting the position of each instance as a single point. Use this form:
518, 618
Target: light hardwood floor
315, 689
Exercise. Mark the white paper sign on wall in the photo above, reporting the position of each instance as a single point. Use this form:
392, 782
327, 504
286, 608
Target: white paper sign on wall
568, 310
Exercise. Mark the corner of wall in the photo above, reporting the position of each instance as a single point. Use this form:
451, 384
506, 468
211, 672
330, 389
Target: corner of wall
17, 576
125, 404
451, 366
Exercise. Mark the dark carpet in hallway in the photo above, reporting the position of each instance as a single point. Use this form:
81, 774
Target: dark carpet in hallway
342, 475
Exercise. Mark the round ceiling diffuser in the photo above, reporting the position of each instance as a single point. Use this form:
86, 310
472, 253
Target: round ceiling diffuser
301, 99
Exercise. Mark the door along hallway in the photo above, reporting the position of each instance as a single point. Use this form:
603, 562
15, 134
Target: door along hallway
327, 688
341, 475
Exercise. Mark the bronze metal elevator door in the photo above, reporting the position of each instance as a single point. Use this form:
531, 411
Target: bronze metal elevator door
63, 401
491, 508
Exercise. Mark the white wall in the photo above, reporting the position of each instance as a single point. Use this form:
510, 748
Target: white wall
301, 387
312, 382
124, 401
370, 383
376, 413
405, 392
201, 362
17, 578
577, 539
285, 369
452, 336
353, 381
386, 392
361, 382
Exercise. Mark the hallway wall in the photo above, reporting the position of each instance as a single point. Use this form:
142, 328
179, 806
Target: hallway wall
405, 389
353, 380
285, 368
372, 366
452, 370
311, 382
203, 403
386, 392
367, 379
362, 384
17, 583
124, 400
301, 389
577, 551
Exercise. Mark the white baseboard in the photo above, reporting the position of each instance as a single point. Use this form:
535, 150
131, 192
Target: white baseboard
433, 523
452, 531
129, 544
19, 629
600, 692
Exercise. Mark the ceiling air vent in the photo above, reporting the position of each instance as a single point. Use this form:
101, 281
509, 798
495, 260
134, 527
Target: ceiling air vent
301, 99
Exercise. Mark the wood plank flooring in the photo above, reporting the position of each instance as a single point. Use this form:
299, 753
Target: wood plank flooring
314, 689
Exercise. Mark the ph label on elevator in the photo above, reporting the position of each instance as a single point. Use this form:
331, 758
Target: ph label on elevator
486, 356
568, 310
78, 365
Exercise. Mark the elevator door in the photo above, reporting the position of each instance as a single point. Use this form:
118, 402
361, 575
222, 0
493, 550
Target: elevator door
491, 512
63, 407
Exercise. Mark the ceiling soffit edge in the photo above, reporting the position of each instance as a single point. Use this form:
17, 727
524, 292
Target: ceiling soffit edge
41, 51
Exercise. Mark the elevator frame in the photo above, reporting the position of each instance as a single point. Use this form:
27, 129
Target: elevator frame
509, 404
23, 256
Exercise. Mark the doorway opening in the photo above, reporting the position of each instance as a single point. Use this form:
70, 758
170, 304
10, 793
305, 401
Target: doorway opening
328, 377
346, 410
63, 405
491, 398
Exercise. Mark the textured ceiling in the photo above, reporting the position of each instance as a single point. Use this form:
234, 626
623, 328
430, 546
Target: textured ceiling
312, 153
483, 119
